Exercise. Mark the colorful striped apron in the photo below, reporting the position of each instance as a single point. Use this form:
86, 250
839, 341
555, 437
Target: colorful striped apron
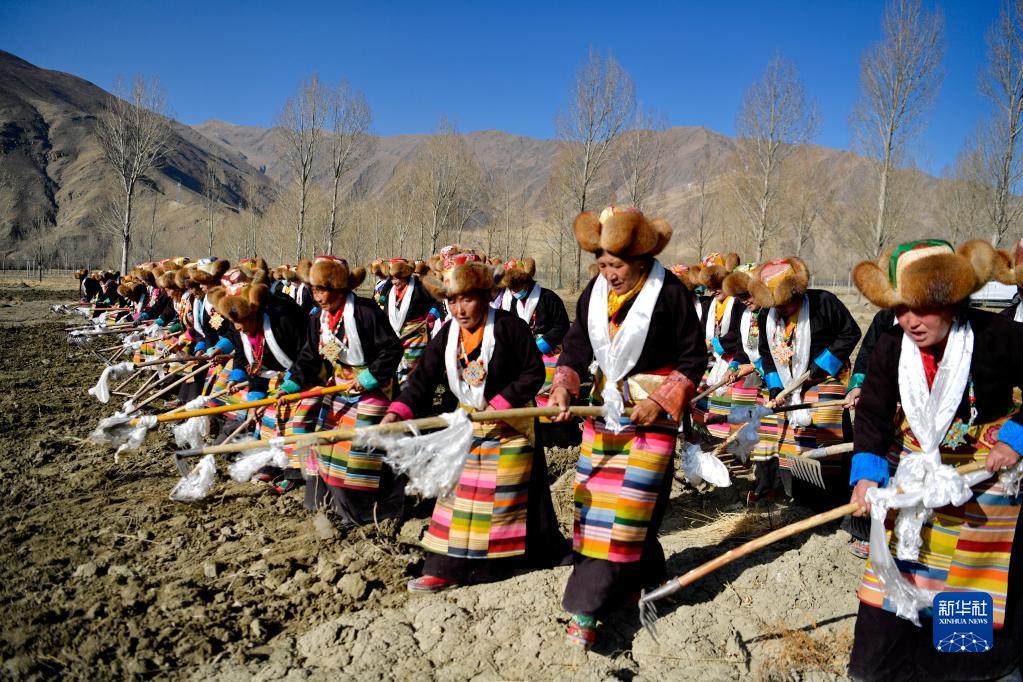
965, 549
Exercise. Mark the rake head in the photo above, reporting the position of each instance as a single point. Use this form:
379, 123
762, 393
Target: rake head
648, 615
806, 469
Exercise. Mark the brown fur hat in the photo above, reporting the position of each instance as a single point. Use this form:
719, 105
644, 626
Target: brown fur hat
420, 268
255, 269
167, 279
1009, 267
81, 273
238, 303
184, 277
517, 273
378, 267
330, 272
622, 231
459, 273
689, 275
147, 275
715, 268
927, 273
737, 284
400, 268
133, 290
208, 273
778, 282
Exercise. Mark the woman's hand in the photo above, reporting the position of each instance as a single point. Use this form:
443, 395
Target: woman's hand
390, 418
1001, 456
645, 413
561, 399
859, 496
852, 398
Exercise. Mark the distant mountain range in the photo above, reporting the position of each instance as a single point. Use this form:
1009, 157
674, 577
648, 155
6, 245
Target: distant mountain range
48, 150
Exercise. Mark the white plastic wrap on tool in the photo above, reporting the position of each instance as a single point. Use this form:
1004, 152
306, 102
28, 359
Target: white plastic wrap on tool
699, 466
192, 432
920, 484
198, 483
246, 466
434, 461
101, 391
749, 436
748, 413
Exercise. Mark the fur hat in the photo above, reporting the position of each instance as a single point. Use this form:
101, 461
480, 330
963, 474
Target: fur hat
183, 277
927, 273
1009, 268
133, 290
459, 273
420, 268
400, 268
209, 271
167, 280
736, 284
687, 274
716, 267
622, 231
330, 272
778, 282
81, 273
239, 303
517, 273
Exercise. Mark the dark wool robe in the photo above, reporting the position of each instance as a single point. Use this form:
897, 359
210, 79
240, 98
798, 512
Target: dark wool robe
885, 646
420, 306
833, 336
733, 339
883, 320
675, 340
550, 318
1010, 312
380, 347
290, 328
515, 373
158, 307
90, 289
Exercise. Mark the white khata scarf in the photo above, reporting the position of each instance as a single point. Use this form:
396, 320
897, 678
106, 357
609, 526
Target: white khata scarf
271, 343
800, 359
921, 482
351, 354
467, 394
720, 367
745, 326
1018, 316
398, 312
616, 357
525, 309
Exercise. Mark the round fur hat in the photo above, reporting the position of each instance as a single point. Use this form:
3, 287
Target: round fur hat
133, 290
459, 273
209, 271
518, 273
927, 273
622, 231
1009, 267
238, 297
777, 282
715, 268
168, 280
689, 275
81, 273
330, 272
400, 268
736, 284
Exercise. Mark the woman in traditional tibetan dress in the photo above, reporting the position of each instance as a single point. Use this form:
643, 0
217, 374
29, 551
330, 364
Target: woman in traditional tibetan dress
637, 322
266, 332
938, 392
800, 330
290, 284
382, 284
88, 285
411, 312
721, 317
751, 390
499, 518
689, 276
350, 343
545, 313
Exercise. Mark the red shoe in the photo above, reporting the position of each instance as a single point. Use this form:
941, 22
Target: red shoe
430, 583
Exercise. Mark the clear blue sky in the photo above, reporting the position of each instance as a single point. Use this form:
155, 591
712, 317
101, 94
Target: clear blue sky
506, 66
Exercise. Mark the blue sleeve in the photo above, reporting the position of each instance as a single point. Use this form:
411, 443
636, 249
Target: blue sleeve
774, 381
1011, 434
144, 316
289, 386
544, 347
200, 347
224, 345
254, 395
868, 467
829, 363
760, 367
368, 381
733, 366
856, 381
718, 348
238, 375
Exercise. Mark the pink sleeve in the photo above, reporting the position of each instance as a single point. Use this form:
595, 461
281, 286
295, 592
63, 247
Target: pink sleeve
400, 409
498, 402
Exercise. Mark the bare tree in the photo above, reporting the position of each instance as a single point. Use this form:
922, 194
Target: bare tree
210, 185
134, 139
641, 152
700, 225
1002, 83
350, 117
899, 80
964, 197
807, 198
298, 131
600, 107
776, 115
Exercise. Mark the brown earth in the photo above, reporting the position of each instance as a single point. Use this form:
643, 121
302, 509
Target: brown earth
104, 576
